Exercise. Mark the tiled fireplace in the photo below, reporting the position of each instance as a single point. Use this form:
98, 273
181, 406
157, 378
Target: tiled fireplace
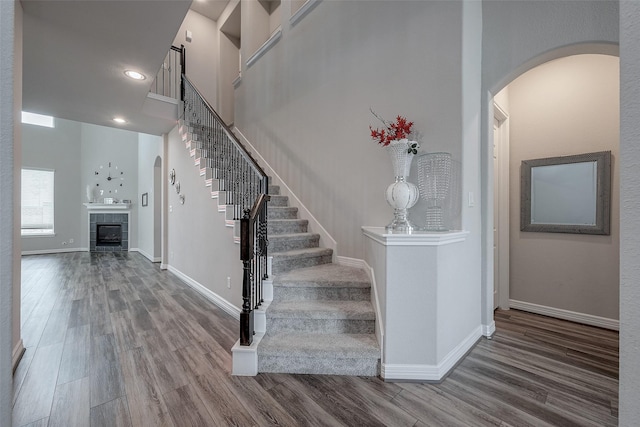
108, 232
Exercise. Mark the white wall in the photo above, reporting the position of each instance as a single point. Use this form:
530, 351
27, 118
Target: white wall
517, 36
100, 145
564, 107
149, 148
17, 160
201, 53
76, 151
200, 246
305, 103
58, 149
10, 67
629, 218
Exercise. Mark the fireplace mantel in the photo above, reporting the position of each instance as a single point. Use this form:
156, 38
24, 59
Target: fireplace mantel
108, 206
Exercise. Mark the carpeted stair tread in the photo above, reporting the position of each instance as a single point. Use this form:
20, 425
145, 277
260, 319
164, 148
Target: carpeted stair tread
287, 226
325, 275
277, 200
302, 253
352, 310
299, 258
294, 241
282, 212
311, 345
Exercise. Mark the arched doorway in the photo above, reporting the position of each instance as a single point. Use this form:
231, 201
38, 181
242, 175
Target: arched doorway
568, 106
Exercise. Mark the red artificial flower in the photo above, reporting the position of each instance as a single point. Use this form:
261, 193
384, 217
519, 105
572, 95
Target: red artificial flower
397, 130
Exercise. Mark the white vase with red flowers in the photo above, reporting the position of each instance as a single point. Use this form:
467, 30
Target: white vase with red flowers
401, 195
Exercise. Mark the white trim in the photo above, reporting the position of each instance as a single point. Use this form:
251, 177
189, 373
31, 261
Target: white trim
502, 192
236, 82
260, 318
379, 325
107, 207
245, 358
391, 372
275, 36
304, 9
489, 330
146, 255
54, 251
224, 305
163, 98
587, 319
326, 240
164, 266
267, 288
352, 262
418, 238
18, 352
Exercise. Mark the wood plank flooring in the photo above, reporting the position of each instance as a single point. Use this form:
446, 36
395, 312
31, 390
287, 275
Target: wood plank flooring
114, 341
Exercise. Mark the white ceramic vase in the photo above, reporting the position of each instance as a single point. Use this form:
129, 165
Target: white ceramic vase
401, 195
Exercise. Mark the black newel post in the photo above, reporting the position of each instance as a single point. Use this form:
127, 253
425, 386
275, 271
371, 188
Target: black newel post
246, 255
183, 70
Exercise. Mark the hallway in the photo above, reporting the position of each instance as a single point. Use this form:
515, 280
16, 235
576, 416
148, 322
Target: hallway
114, 341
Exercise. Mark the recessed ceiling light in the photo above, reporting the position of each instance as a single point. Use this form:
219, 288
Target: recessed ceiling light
135, 75
119, 120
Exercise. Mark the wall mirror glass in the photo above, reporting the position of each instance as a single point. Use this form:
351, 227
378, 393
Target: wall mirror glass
569, 194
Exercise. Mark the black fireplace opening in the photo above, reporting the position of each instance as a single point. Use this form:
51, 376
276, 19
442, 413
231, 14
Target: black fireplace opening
109, 235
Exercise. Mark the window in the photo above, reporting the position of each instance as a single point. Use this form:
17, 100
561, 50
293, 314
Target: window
38, 119
37, 202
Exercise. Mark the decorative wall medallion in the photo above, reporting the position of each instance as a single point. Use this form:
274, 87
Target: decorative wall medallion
172, 176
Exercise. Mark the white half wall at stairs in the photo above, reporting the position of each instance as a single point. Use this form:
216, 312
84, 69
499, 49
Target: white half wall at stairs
435, 372
375, 300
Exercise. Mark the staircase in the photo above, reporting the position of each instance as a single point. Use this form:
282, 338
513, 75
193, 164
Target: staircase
321, 320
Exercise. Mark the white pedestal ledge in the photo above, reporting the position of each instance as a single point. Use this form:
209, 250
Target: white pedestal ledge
245, 358
429, 304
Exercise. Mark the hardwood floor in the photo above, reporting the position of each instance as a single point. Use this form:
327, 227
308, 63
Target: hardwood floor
114, 341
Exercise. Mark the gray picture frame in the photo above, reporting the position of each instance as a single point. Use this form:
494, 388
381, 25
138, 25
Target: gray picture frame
602, 196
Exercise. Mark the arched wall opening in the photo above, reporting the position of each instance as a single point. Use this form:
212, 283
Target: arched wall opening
495, 78
566, 106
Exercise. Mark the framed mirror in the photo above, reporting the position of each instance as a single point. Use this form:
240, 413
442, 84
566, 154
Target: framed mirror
570, 194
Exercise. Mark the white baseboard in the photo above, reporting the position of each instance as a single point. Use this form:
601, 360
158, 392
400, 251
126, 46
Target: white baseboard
54, 251
587, 319
326, 240
163, 266
488, 330
352, 262
360, 263
407, 372
146, 255
16, 356
224, 305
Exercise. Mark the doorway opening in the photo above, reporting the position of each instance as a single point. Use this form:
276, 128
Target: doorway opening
566, 106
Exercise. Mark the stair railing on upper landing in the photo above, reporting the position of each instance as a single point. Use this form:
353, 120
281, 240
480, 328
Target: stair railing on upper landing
168, 80
245, 187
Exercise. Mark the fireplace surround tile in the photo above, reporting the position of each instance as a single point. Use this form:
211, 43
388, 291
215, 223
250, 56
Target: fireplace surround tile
108, 218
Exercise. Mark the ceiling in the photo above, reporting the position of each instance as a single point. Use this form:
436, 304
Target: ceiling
75, 53
212, 9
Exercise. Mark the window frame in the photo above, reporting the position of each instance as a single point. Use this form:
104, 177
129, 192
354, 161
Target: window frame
38, 231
